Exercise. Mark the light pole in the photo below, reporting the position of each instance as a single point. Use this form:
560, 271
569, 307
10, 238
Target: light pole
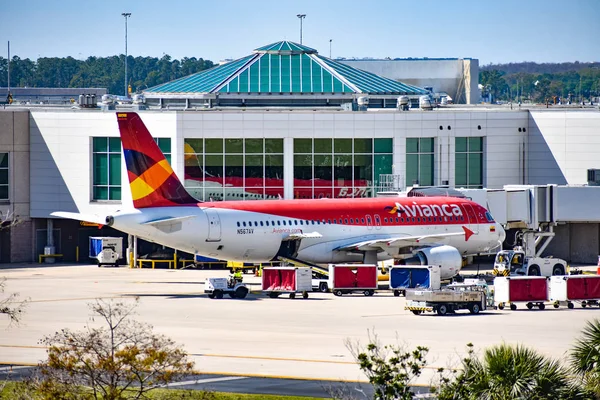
330, 47
126, 15
301, 17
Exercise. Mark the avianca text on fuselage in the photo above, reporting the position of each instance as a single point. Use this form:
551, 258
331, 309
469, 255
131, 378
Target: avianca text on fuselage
426, 210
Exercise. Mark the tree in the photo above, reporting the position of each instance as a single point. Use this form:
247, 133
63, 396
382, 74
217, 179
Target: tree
122, 358
10, 305
505, 373
390, 368
585, 358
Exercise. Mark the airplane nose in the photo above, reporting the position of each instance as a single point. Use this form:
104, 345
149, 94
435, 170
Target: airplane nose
501, 232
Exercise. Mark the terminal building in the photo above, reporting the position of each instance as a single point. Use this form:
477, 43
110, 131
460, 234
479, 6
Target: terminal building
227, 141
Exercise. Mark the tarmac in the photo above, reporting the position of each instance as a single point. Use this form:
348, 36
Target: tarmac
259, 337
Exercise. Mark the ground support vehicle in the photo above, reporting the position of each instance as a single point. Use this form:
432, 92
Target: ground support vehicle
515, 262
286, 280
217, 287
351, 278
414, 276
584, 289
531, 290
106, 250
472, 296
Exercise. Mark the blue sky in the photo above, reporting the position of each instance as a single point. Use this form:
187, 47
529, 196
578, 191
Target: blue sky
493, 31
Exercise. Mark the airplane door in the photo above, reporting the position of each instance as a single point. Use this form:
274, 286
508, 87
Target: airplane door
471, 218
214, 225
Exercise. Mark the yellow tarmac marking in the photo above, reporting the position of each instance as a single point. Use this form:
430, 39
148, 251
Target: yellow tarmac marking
74, 299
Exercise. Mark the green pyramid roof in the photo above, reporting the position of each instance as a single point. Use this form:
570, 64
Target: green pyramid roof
284, 67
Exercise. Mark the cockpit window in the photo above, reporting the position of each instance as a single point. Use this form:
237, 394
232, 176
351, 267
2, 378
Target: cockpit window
489, 217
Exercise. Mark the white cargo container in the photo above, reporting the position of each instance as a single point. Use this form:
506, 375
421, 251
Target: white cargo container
106, 250
532, 290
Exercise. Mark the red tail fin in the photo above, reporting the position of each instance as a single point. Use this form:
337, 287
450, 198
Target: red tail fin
152, 180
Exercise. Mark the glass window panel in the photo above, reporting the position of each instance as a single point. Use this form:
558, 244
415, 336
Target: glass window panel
101, 192
475, 169
193, 146
426, 170
100, 144
323, 146
285, 73
114, 169
234, 146
273, 170
274, 73
412, 168
343, 146
302, 146
4, 192
342, 170
461, 144
460, 169
164, 144
100, 169
412, 145
3, 160
337, 86
303, 171
214, 168
363, 170
323, 193
273, 146
363, 145
3, 176
426, 145
213, 193
384, 145
254, 145
254, 171
234, 169
475, 144
296, 73
213, 145
327, 84
274, 193
254, 72
114, 144
306, 65
316, 78
382, 165
264, 73
114, 193
323, 172
303, 192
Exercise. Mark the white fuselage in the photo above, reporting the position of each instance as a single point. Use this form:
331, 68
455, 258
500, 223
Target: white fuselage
247, 236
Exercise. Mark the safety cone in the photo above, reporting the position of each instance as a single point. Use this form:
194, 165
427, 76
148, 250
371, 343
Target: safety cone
598, 270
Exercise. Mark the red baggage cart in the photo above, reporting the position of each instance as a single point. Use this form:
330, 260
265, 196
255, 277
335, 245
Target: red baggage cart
349, 278
584, 289
532, 290
289, 280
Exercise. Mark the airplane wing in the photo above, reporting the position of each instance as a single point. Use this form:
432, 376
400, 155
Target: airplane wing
402, 241
94, 218
169, 224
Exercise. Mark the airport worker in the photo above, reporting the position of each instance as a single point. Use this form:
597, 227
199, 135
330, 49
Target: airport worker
237, 275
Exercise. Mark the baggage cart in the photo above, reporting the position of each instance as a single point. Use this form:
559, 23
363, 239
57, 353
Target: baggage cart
106, 250
415, 276
531, 290
286, 280
349, 278
584, 289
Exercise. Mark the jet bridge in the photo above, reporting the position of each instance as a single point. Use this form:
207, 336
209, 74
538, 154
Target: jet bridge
535, 210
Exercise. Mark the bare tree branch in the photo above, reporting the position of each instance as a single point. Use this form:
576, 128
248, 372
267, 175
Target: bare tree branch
10, 305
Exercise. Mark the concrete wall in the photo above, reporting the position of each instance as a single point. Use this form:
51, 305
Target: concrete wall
14, 139
562, 146
577, 243
457, 77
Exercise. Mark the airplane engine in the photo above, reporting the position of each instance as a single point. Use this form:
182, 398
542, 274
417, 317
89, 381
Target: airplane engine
446, 256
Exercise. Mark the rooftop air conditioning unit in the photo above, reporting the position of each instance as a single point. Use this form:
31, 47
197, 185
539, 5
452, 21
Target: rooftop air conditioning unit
593, 177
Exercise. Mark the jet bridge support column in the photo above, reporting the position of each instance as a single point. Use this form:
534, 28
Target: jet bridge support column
532, 239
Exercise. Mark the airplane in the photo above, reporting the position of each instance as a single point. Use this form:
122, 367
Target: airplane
414, 230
